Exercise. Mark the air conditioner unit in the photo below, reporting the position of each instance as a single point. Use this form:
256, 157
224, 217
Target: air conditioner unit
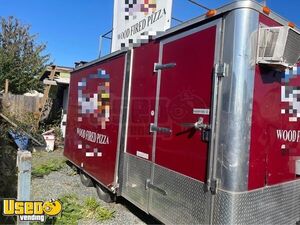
278, 46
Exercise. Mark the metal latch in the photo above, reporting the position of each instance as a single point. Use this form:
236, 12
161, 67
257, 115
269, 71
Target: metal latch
205, 135
200, 125
158, 66
155, 188
154, 128
221, 69
212, 186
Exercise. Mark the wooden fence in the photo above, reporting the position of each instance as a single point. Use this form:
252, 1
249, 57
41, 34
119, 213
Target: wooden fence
17, 105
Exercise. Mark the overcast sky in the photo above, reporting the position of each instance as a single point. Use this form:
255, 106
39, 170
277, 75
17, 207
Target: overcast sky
71, 28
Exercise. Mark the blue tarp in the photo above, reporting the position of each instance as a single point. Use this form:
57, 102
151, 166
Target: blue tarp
21, 140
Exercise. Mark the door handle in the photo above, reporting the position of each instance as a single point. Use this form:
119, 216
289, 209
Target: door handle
158, 66
154, 128
199, 125
155, 188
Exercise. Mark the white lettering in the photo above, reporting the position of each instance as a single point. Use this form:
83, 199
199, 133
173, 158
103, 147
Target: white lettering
279, 134
288, 135
93, 136
40, 218
142, 25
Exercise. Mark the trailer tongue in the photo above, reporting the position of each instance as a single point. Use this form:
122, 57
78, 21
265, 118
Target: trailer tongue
199, 126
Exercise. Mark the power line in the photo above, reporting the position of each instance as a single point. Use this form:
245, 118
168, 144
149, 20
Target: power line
177, 20
198, 4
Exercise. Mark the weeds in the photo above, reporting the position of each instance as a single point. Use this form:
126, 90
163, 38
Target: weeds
93, 210
73, 211
45, 169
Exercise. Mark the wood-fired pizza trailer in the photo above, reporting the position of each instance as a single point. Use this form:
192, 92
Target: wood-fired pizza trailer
199, 126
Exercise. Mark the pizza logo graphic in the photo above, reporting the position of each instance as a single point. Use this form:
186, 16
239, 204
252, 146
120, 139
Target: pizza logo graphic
95, 105
291, 95
139, 6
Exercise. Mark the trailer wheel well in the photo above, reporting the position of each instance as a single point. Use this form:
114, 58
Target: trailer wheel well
86, 180
104, 194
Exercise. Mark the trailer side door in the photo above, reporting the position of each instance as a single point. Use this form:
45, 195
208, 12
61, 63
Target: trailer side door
180, 151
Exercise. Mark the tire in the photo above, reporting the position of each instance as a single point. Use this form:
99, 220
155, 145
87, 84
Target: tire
104, 194
86, 180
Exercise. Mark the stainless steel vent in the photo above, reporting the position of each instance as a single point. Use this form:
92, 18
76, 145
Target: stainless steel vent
278, 46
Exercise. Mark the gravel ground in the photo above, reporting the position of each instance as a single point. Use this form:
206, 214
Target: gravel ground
65, 181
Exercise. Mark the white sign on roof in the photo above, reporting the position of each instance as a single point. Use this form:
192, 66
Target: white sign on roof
135, 21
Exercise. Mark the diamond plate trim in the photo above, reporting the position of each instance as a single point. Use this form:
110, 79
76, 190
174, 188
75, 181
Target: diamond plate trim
135, 173
185, 202
278, 204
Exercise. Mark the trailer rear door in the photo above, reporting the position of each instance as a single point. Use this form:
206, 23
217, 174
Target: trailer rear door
166, 158
184, 96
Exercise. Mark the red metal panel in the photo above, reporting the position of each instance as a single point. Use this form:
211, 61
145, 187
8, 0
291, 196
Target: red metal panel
142, 100
93, 117
269, 163
184, 88
258, 152
267, 21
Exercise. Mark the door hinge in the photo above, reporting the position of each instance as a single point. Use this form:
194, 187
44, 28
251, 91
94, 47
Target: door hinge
158, 66
221, 69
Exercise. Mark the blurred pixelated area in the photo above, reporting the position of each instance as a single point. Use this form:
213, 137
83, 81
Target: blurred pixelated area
89, 151
144, 38
97, 104
291, 95
135, 6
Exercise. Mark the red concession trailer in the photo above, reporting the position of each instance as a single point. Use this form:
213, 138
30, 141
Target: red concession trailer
199, 126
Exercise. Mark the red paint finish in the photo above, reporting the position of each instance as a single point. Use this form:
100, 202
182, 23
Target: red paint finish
142, 100
184, 88
268, 163
101, 167
258, 152
267, 21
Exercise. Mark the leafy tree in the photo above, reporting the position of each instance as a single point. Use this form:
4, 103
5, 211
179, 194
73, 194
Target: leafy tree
21, 57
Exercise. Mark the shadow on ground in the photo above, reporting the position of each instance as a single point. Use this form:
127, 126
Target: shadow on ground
146, 218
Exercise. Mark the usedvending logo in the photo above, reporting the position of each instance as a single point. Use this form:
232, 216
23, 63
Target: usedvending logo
31, 210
